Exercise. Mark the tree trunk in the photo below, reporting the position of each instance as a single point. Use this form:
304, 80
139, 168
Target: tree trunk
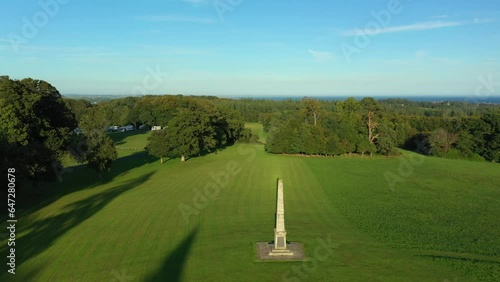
371, 128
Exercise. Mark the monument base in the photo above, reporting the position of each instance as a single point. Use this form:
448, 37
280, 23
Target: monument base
278, 252
266, 251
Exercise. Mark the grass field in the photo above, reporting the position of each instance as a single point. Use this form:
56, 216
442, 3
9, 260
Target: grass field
438, 223
127, 143
258, 130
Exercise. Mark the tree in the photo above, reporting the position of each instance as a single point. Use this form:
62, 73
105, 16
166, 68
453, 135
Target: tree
441, 141
101, 154
158, 145
333, 145
10, 157
101, 151
370, 107
363, 146
77, 107
386, 143
312, 108
351, 105
491, 136
35, 119
198, 127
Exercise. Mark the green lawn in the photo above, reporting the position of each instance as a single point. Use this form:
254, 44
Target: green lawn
127, 143
130, 142
439, 223
257, 130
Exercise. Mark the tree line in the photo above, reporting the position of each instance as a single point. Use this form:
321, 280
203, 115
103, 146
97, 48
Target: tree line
36, 131
343, 127
37, 128
37, 123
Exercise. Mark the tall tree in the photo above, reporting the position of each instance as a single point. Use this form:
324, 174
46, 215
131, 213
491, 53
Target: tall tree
101, 151
34, 117
491, 136
158, 145
441, 141
312, 109
198, 127
371, 107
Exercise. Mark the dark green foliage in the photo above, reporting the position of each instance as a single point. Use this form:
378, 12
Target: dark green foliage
157, 144
491, 136
77, 107
352, 128
368, 126
35, 124
246, 136
99, 151
198, 127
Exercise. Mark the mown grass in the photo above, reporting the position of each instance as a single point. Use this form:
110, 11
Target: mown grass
439, 223
127, 143
258, 130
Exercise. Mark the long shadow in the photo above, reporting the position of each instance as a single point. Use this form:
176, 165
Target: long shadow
215, 152
478, 260
125, 158
73, 181
30, 274
173, 264
118, 137
46, 231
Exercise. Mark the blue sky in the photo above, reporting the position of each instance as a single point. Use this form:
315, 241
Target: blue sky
254, 47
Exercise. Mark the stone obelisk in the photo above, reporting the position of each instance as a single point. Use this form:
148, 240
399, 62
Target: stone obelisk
280, 247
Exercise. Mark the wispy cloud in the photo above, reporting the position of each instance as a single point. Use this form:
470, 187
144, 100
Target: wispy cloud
197, 2
415, 27
439, 17
321, 56
176, 18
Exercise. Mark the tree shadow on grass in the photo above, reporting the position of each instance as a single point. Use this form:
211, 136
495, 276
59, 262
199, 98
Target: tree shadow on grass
21, 275
481, 259
118, 137
43, 233
78, 179
172, 267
